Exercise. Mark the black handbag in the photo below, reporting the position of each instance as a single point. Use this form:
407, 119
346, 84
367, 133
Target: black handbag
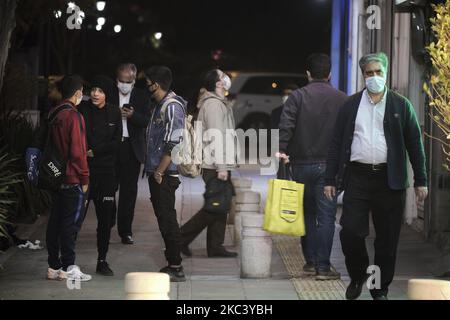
218, 196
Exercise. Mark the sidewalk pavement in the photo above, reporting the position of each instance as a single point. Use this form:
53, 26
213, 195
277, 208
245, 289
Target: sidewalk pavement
23, 271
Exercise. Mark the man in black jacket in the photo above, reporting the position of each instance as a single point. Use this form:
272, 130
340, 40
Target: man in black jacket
306, 125
104, 132
375, 131
135, 108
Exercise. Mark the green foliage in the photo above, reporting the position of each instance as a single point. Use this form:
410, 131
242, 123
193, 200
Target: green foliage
438, 89
8, 180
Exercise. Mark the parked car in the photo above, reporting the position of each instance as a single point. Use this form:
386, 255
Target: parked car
255, 95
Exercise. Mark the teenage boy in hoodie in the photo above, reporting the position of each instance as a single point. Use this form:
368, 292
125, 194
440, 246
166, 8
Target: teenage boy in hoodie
163, 134
68, 133
104, 132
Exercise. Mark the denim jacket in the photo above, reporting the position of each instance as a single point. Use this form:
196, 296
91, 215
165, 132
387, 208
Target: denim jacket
164, 134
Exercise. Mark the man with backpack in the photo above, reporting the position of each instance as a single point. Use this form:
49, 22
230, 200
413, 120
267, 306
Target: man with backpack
163, 134
214, 114
66, 137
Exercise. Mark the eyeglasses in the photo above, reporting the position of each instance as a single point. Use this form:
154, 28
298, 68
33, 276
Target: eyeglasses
150, 82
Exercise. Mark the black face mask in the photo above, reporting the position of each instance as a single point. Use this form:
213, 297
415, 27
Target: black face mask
152, 92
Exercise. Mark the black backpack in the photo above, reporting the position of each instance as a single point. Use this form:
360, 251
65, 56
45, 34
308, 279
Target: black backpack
52, 164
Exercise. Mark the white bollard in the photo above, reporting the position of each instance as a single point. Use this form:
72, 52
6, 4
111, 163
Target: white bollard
428, 289
256, 247
240, 185
248, 197
243, 183
247, 201
147, 286
238, 224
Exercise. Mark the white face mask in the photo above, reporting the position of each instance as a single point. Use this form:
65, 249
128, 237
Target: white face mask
226, 82
285, 98
125, 88
376, 84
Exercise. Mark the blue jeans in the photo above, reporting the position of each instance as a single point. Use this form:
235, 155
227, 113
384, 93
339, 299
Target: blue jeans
320, 216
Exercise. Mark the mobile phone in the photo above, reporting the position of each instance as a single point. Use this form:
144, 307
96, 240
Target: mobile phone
126, 106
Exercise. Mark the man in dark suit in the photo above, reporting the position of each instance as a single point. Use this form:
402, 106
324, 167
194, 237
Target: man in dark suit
376, 132
135, 108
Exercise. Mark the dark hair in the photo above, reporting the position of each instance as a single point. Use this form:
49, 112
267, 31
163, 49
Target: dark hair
103, 82
161, 75
210, 79
319, 65
69, 85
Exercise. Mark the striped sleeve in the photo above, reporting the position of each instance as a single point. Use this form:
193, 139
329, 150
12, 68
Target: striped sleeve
174, 124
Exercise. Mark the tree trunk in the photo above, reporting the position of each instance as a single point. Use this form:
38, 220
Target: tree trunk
7, 25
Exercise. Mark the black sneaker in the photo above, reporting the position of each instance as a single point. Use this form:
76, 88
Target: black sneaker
176, 274
331, 274
223, 254
104, 269
309, 268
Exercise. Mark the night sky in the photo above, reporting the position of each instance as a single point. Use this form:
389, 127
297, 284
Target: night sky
262, 35
252, 35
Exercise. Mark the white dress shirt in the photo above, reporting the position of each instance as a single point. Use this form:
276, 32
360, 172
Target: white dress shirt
369, 143
123, 100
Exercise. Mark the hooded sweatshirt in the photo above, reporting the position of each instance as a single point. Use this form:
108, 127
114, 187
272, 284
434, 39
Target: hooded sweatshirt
220, 146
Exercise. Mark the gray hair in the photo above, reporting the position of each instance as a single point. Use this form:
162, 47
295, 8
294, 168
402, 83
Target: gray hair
380, 57
128, 67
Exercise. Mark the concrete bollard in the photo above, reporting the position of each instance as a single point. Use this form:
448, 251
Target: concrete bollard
147, 286
240, 185
256, 247
245, 202
243, 183
428, 289
248, 197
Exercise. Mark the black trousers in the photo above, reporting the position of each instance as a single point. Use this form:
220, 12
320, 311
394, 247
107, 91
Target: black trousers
368, 191
215, 223
162, 197
128, 169
102, 192
64, 223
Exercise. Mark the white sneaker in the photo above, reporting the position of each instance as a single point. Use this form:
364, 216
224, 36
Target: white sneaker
53, 274
74, 273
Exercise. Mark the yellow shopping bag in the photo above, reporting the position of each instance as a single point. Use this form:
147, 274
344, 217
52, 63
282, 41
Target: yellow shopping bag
283, 213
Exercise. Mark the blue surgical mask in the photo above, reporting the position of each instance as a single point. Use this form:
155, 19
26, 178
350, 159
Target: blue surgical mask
376, 84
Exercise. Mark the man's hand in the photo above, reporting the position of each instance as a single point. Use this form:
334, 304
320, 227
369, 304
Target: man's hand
158, 177
85, 188
421, 193
90, 153
127, 113
222, 175
330, 192
283, 156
